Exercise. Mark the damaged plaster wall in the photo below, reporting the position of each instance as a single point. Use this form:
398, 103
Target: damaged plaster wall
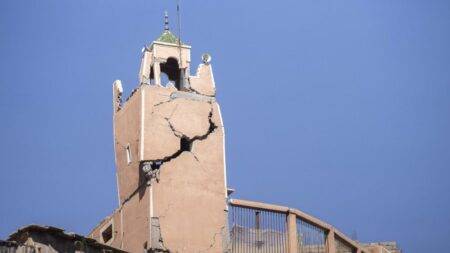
189, 196
169, 151
130, 223
127, 128
203, 81
130, 220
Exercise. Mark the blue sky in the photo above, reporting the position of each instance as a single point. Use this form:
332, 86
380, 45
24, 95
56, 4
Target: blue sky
338, 108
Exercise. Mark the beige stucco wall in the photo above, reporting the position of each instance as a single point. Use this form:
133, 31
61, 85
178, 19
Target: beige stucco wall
162, 51
189, 197
126, 133
130, 223
180, 206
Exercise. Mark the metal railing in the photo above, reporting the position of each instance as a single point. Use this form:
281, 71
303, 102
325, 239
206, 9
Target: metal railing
260, 227
343, 247
311, 238
255, 230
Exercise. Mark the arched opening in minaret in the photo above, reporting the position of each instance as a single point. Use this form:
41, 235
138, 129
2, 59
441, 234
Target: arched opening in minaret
170, 73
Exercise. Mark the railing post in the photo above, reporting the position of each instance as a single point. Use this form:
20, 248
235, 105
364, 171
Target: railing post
292, 232
331, 246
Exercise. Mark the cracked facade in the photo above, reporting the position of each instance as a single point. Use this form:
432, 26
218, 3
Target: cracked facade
171, 178
169, 154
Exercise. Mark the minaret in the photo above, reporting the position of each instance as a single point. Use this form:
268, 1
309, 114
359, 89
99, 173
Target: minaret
170, 157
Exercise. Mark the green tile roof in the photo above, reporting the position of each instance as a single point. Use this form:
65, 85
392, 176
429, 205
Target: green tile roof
168, 37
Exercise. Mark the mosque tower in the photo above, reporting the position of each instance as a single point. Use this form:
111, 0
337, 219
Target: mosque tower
169, 156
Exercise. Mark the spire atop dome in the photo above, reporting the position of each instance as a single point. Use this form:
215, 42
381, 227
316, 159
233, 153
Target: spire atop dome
166, 21
167, 36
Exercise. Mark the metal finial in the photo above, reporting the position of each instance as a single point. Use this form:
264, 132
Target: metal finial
166, 21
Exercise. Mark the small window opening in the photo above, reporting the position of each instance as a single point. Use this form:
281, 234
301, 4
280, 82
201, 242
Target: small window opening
173, 72
107, 234
128, 151
185, 144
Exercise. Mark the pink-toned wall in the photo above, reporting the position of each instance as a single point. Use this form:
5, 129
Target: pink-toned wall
181, 205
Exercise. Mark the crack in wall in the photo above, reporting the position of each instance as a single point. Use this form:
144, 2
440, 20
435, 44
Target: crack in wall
163, 102
175, 132
186, 144
199, 93
189, 95
151, 167
214, 240
192, 95
132, 194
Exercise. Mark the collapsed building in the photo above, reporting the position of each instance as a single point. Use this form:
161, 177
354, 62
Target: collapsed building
170, 161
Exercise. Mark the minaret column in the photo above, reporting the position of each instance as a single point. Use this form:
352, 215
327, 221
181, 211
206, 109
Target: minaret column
144, 72
157, 72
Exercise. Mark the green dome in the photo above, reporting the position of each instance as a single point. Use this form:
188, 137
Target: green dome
168, 37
